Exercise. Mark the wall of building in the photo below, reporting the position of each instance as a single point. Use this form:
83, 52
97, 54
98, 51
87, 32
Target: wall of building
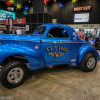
31, 10
65, 15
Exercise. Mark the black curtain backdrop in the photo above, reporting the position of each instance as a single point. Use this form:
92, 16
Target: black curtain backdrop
65, 15
38, 6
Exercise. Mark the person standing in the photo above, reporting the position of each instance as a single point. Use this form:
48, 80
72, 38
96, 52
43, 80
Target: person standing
91, 35
5, 31
92, 41
81, 35
18, 31
1, 31
12, 31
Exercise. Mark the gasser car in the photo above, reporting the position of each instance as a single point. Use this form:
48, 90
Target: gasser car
50, 44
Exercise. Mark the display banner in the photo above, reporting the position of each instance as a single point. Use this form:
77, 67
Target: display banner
5, 14
15, 21
19, 21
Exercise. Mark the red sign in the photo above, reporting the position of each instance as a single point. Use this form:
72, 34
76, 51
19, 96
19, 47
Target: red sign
19, 21
15, 21
85, 8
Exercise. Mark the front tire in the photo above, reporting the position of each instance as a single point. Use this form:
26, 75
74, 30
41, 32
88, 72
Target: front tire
13, 74
89, 62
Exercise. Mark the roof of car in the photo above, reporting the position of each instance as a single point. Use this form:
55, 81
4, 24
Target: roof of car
56, 24
70, 29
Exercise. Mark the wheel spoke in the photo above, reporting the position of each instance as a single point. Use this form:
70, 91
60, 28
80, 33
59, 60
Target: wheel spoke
17, 80
12, 77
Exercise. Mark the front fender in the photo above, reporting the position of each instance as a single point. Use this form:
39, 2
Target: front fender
84, 50
35, 59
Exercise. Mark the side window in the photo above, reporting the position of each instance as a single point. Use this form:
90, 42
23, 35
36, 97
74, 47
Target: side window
57, 33
40, 30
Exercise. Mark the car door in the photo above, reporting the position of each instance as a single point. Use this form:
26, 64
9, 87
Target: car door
56, 48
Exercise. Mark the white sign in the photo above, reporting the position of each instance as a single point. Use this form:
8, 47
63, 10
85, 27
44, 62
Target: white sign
83, 17
27, 27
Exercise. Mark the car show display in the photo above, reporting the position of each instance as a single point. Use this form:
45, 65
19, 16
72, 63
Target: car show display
50, 44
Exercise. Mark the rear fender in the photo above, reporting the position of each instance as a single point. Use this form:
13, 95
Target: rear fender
35, 59
86, 49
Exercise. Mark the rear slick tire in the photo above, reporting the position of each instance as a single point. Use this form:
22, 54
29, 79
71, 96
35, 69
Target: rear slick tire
89, 62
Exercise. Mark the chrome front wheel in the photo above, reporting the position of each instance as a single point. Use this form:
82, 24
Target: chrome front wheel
91, 63
15, 75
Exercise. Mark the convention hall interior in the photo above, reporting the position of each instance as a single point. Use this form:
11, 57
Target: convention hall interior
49, 49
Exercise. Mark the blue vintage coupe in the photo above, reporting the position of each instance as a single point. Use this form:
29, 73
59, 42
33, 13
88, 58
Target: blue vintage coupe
50, 44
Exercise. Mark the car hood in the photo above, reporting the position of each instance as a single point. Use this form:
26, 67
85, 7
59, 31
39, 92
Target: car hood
20, 37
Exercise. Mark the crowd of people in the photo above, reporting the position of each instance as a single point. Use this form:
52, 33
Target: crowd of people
91, 40
6, 31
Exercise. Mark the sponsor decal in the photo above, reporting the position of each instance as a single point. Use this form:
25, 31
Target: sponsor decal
19, 20
36, 47
56, 51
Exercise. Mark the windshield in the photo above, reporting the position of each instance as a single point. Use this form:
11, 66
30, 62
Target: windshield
40, 30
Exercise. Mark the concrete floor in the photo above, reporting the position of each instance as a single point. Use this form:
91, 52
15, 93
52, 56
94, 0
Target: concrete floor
64, 82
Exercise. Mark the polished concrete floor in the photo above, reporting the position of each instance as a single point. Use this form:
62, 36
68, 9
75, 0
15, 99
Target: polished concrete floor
64, 82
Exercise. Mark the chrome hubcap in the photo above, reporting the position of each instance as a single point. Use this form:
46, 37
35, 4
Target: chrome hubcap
15, 75
91, 63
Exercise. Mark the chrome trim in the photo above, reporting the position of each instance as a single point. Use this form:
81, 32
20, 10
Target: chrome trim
73, 60
42, 41
19, 40
77, 42
62, 42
